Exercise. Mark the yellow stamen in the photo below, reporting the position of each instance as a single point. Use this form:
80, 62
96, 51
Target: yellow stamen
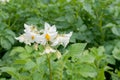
47, 37
33, 37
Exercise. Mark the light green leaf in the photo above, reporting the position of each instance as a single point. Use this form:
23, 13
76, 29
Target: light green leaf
101, 50
77, 48
20, 61
37, 76
24, 55
41, 59
3, 79
116, 53
17, 50
87, 70
29, 65
83, 69
41, 48
86, 57
28, 49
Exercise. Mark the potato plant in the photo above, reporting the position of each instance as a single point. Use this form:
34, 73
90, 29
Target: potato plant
84, 44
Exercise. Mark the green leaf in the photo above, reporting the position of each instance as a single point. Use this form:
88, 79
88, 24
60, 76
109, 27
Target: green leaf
10, 32
37, 75
69, 17
20, 61
24, 55
1, 63
86, 57
108, 48
28, 49
4, 15
116, 31
101, 50
98, 52
87, 70
79, 77
77, 48
109, 25
41, 59
83, 28
17, 50
41, 48
10, 38
11, 71
83, 69
3, 25
33, 20
87, 7
2, 78
5, 43
116, 53
74, 51
30, 65
115, 77
79, 22
110, 59
63, 25
62, 18
73, 37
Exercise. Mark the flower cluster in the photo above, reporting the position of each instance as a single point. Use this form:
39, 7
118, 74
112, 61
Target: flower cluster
48, 37
4, 1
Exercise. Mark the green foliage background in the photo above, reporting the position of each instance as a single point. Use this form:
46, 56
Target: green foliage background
94, 49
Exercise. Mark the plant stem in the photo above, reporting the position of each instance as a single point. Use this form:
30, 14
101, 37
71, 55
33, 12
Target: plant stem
62, 70
49, 64
100, 27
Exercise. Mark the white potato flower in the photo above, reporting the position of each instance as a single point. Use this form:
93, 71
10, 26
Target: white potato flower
21, 38
62, 39
49, 33
31, 35
27, 38
30, 28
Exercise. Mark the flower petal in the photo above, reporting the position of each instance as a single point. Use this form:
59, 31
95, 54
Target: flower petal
47, 26
62, 39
